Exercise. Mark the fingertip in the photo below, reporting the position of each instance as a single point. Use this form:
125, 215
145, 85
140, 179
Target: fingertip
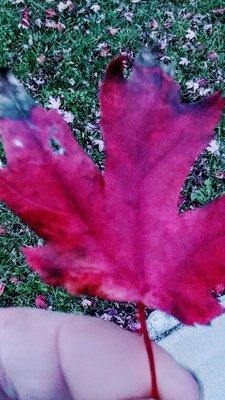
199, 384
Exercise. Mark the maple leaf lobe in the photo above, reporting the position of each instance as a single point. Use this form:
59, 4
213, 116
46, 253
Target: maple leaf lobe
146, 112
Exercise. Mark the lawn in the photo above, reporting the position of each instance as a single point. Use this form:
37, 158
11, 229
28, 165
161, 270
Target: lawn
59, 50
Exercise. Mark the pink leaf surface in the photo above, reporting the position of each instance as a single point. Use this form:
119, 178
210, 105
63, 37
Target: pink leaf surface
118, 235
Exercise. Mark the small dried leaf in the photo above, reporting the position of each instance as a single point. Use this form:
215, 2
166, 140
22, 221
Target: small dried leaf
41, 301
2, 288
113, 31
212, 55
190, 34
153, 24
2, 230
41, 59
50, 13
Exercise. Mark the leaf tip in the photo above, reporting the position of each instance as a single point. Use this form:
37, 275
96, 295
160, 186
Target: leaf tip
148, 57
115, 68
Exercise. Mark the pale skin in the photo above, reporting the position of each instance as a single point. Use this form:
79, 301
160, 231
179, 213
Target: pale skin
47, 355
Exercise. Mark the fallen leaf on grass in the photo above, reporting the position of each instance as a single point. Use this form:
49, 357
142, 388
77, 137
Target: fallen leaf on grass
41, 301
106, 317
17, 1
15, 280
168, 24
128, 16
68, 116
131, 244
193, 85
55, 25
113, 31
69, 5
219, 11
38, 22
213, 147
95, 8
41, 59
190, 34
184, 61
86, 303
99, 143
103, 49
2, 230
212, 55
153, 24
54, 103
25, 19
50, 13
2, 288
220, 175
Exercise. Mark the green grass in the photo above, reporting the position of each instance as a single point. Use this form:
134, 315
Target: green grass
73, 54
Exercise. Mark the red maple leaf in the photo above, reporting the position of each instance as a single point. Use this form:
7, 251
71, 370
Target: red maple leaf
118, 234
